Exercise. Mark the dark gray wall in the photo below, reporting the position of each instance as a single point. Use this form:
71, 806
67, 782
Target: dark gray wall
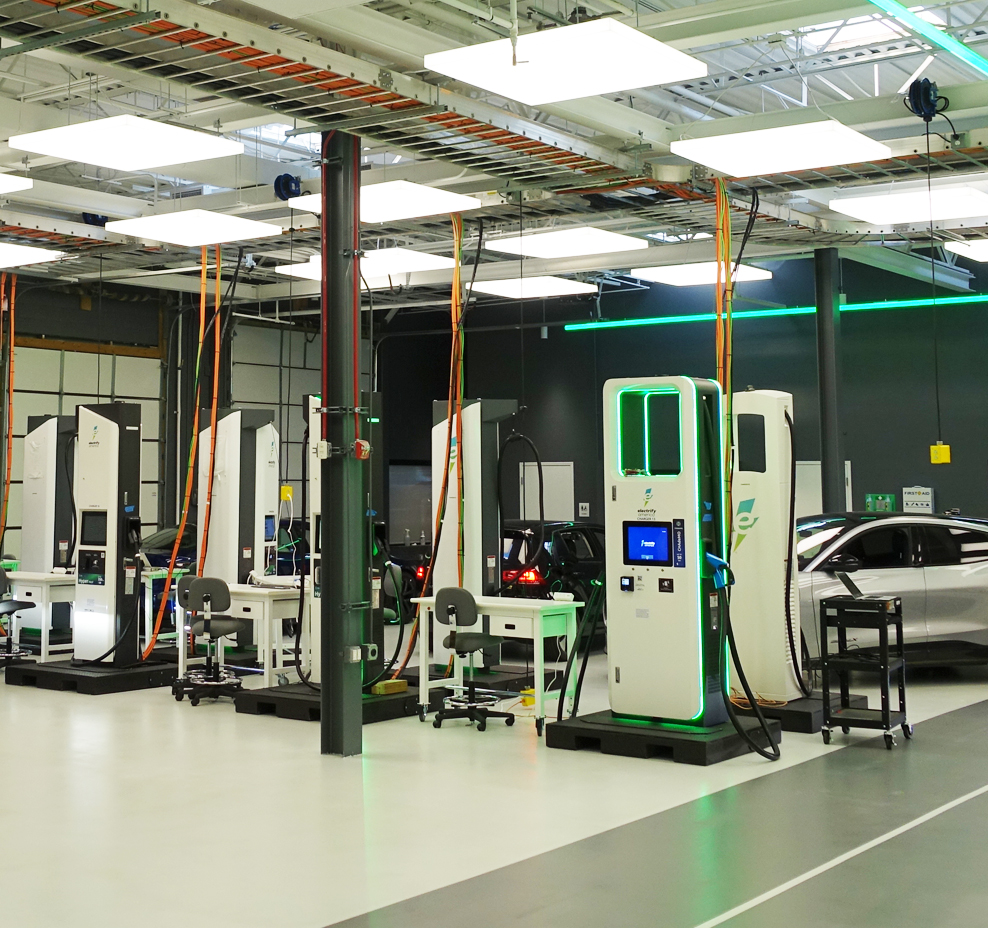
888, 399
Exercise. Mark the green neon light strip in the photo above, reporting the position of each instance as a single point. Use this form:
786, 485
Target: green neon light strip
776, 313
937, 36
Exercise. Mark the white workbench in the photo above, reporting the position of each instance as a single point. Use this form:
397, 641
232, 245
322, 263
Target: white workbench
509, 617
45, 590
267, 608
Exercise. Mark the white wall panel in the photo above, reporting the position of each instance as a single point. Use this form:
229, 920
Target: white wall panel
137, 377
80, 373
149, 506
254, 383
301, 382
17, 462
149, 460
31, 404
12, 543
14, 508
150, 418
256, 344
36, 369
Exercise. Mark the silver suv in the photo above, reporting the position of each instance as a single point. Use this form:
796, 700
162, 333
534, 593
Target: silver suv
937, 564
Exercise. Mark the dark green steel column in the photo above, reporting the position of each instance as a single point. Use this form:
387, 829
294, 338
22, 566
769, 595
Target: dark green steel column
826, 268
345, 572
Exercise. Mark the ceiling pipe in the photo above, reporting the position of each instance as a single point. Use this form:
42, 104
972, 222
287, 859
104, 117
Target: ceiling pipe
475, 9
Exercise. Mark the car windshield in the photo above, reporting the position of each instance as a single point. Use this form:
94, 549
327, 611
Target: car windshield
813, 534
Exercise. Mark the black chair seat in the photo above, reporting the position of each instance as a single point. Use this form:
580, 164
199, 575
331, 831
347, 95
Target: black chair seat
473, 641
219, 626
9, 606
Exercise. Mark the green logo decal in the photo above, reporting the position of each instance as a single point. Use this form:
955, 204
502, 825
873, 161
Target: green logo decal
744, 521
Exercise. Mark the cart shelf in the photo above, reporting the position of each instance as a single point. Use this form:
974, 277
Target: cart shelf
855, 612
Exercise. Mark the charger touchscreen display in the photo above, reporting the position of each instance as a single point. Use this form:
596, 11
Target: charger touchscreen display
648, 544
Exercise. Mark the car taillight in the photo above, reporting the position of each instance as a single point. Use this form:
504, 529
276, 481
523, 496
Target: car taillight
526, 576
420, 573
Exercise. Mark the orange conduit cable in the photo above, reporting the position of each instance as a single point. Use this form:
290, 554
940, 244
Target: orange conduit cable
201, 564
10, 405
725, 332
190, 471
455, 368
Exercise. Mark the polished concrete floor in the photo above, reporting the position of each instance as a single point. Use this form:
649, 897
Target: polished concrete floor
132, 810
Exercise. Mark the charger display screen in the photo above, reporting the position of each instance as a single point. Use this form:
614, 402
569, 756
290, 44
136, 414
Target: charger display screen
648, 544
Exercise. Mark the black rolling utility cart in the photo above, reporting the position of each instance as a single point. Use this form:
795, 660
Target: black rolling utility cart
876, 612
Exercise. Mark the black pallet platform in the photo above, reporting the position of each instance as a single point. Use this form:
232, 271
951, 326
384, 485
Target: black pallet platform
6, 662
300, 702
804, 715
499, 677
601, 731
92, 681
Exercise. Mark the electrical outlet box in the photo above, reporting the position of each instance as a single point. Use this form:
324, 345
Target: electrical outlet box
286, 493
584, 510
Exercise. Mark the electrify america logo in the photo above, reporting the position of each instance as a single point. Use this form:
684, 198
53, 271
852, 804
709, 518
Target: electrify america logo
646, 512
93, 440
744, 521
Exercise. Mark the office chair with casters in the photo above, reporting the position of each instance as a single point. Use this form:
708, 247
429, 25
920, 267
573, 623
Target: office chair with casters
9, 652
457, 607
205, 595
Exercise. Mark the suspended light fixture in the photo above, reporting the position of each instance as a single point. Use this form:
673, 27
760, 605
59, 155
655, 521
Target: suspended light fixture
894, 208
126, 143
783, 149
568, 62
567, 243
694, 275
192, 228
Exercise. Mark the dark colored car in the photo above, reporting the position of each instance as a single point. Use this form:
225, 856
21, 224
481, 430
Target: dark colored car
414, 563
157, 548
293, 547
572, 557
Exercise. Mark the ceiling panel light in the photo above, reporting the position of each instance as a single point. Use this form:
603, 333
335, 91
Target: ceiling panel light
309, 270
126, 143
194, 227
567, 243
914, 206
693, 275
376, 265
401, 199
389, 261
783, 149
976, 250
21, 255
11, 183
309, 203
568, 62
533, 288
395, 200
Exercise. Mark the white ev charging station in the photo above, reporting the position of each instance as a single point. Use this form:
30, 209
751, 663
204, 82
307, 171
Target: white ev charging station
663, 503
766, 626
481, 545
243, 519
49, 472
108, 519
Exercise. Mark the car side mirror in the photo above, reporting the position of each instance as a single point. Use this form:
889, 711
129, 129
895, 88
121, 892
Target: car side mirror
847, 563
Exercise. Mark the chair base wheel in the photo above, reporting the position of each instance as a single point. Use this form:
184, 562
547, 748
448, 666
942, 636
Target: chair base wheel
436, 723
